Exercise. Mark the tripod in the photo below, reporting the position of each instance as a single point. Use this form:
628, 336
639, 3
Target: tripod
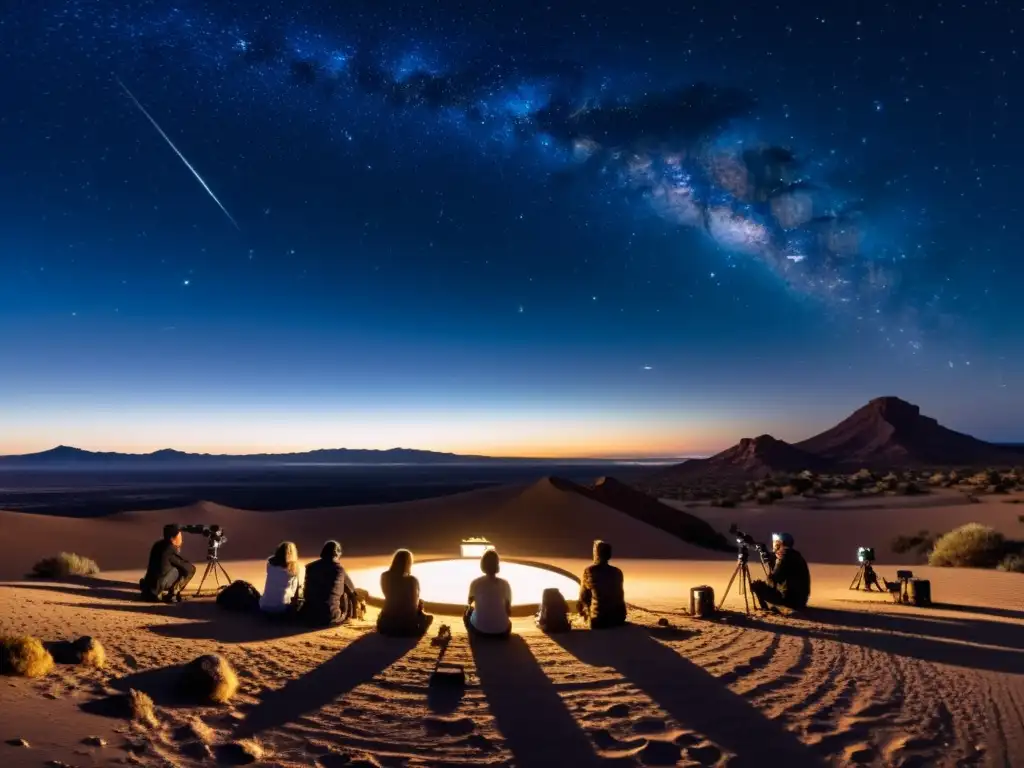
865, 576
213, 566
743, 571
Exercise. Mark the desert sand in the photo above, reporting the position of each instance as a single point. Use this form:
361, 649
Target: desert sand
855, 679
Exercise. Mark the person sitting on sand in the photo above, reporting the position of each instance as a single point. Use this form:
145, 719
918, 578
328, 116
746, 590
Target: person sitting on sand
284, 578
789, 583
402, 614
327, 589
601, 597
168, 573
489, 613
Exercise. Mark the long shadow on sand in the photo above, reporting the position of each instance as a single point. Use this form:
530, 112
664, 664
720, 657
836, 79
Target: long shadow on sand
537, 727
690, 695
1003, 613
973, 643
358, 663
101, 589
203, 620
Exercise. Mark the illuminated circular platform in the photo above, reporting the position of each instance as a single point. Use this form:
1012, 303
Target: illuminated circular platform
444, 584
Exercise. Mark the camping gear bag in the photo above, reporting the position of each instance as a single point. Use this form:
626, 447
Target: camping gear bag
356, 603
554, 612
239, 596
919, 592
702, 601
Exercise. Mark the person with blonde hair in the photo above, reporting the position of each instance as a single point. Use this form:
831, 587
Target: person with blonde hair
284, 577
489, 612
402, 614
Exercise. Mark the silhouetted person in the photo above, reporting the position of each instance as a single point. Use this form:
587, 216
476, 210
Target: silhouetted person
402, 614
602, 601
489, 613
328, 589
284, 581
168, 573
789, 583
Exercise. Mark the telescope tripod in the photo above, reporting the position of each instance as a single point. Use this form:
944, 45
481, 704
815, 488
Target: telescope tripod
865, 576
743, 571
213, 566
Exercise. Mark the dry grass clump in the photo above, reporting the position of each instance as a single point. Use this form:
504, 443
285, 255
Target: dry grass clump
969, 546
142, 709
24, 657
209, 678
64, 565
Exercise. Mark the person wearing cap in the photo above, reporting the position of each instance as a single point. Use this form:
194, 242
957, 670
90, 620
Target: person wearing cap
789, 583
329, 594
168, 573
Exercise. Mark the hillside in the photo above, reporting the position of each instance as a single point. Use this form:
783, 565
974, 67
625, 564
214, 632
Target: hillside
690, 528
67, 456
750, 459
890, 432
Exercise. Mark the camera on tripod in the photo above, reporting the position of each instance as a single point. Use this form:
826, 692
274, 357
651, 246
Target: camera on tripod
744, 541
865, 554
215, 537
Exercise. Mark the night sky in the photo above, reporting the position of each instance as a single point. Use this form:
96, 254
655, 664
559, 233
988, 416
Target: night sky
523, 229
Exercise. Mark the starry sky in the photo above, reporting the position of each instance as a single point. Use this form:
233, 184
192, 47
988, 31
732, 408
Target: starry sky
566, 229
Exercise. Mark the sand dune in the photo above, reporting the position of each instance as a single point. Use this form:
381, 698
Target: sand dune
853, 680
546, 518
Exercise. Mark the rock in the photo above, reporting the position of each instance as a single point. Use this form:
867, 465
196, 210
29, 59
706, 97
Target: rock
18, 743
242, 752
95, 741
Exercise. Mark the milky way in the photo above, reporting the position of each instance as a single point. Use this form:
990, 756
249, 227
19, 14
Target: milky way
691, 151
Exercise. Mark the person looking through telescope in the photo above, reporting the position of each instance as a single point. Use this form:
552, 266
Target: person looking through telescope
789, 583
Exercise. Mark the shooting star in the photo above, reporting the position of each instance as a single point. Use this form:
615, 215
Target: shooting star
177, 152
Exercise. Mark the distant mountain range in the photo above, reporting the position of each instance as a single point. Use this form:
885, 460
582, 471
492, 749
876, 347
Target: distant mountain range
66, 457
886, 433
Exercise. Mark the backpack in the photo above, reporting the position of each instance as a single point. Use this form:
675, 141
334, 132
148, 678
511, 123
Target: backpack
554, 612
240, 596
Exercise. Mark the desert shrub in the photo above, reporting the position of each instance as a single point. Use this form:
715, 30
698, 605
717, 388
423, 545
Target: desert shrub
918, 543
765, 498
969, 546
209, 678
909, 489
24, 656
62, 566
1012, 563
800, 484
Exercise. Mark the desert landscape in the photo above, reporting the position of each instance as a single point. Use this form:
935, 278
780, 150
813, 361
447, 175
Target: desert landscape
855, 679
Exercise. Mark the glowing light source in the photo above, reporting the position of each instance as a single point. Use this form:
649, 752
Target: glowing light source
444, 584
475, 546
